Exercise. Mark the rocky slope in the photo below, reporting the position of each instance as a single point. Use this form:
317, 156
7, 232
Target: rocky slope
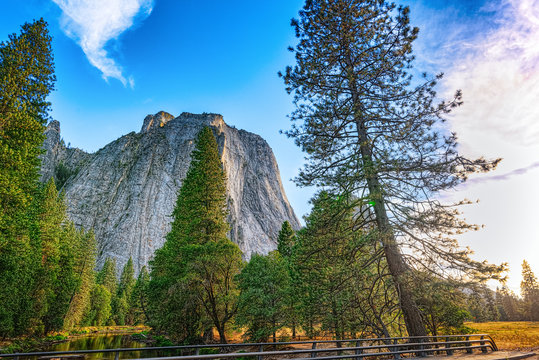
127, 190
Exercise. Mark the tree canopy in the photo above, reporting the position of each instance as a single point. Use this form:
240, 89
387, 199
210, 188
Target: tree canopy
369, 129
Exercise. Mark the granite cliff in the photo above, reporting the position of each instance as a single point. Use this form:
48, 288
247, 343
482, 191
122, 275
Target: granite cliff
127, 190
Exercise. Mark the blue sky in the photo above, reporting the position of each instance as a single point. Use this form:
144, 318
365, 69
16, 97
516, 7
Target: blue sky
119, 60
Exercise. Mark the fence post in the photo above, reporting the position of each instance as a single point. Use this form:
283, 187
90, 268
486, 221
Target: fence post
117, 355
260, 349
483, 348
468, 344
421, 347
396, 355
313, 354
358, 351
197, 351
448, 350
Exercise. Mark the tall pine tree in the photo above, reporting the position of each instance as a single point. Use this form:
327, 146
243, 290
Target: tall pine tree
26, 79
367, 131
192, 276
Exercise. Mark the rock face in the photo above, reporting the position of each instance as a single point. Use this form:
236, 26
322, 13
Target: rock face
127, 190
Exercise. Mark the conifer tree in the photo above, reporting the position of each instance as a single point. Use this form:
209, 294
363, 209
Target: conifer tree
334, 262
107, 275
286, 239
102, 297
264, 284
125, 289
368, 132
26, 79
192, 275
85, 256
139, 299
529, 288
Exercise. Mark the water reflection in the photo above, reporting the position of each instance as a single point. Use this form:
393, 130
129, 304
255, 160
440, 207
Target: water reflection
104, 342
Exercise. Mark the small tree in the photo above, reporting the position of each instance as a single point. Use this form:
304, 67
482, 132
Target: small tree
85, 256
123, 295
264, 284
529, 288
139, 299
286, 240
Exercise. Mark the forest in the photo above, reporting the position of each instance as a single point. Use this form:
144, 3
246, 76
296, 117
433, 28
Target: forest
375, 258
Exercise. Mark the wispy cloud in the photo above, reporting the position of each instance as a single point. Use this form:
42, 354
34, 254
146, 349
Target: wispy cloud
93, 23
505, 176
499, 73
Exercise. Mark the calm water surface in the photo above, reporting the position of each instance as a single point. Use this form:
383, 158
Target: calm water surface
99, 342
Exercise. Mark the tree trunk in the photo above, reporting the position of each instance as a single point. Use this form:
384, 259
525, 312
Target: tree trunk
222, 335
395, 262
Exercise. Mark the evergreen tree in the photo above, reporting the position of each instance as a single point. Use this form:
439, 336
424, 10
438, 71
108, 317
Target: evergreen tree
85, 256
509, 304
192, 275
47, 233
367, 131
107, 275
529, 288
442, 303
340, 285
103, 296
264, 284
139, 299
125, 289
286, 239
26, 79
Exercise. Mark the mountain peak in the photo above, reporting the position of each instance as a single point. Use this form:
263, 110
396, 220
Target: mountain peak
155, 121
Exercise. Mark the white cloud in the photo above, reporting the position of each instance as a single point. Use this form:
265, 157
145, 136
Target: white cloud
499, 76
93, 23
498, 71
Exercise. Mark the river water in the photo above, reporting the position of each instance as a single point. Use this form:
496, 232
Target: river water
99, 342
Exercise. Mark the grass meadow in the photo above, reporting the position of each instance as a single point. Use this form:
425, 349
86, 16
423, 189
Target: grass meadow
511, 335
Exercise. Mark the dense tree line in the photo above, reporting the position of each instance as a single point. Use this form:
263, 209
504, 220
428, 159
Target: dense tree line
503, 304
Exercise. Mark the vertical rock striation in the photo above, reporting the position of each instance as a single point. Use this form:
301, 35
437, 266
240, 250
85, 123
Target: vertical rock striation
127, 190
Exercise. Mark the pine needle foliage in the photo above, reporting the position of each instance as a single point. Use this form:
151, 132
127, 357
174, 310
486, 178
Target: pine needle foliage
369, 129
192, 275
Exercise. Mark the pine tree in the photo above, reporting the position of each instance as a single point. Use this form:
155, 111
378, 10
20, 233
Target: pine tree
103, 296
125, 289
107, 275
529, 288
85, 256
264, 284
286, 239
341, 288
192, 275
368, 132
139, 299
26, 79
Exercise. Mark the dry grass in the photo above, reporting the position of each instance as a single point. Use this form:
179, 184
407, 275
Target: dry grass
511, 335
